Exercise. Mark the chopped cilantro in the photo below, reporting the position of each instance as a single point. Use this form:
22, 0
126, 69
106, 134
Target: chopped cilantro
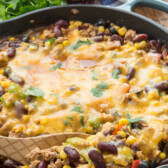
66, 122
1, 99
77, 109
34, 106
33, 91
56, 67
82, 121
80, 42
115, 73
70, 117
102, 85
97, 92
95, 74
52, 40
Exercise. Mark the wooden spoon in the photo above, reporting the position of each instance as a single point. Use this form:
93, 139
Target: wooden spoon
17, 148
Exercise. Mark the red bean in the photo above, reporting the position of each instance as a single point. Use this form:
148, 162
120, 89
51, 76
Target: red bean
16, 79
108, 147
62, 23
97, 159
117, 38
162, 86
2, 91
140, 37
10, 164
163, 162
83, 27
131, 73
20, 110
155, 45
42, 164
57, 32
11, 52
98, 38
72, 154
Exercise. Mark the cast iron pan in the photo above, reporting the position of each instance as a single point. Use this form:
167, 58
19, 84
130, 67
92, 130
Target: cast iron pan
91, 13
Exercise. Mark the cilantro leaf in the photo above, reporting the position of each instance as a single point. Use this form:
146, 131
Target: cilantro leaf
102, 85
34, 106
95, 74
80, 42
52, 40
133, 120
97, 92
115, 73
65, 121
77, 109
56, 67
33, 91
82, 121
2, 13
70, 117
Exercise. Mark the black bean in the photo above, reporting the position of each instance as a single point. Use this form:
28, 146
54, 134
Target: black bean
101, 22
57, 32
7, 71
11, 52
135, 147
136, 125
117, 38
162, 86
140, 37
98, 38
161, 145
152, 164
14, 44
119, 143
113, 30
155, 45
62, 23
143, 164
2, 91
97, 159
108, 147
163, 162
26, 39
19, 109
17, 79
42, 164
107, 132
29, 99
10, 164
131, 73
72, 154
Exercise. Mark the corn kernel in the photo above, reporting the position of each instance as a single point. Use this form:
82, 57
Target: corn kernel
12, 39
23, 101
122, 31
162, 155
47, 43
25, 45
123, 79
26, 118
124, 121
143, 44
52, 100
78, 23
137, 45
63, 155
66, 166
101, 29
155, 103
72, 22
25, 166
165, 98
33, 38
131, 140
153, 95
66, 43
2, 71
60, 46
6, 84
33, 48
71, 26
44, 121
122, 133
116, 27
158, 79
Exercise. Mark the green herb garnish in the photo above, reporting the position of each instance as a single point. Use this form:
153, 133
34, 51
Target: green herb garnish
52, 40
80, 42
70, 117
77, 109
34, 106
66, 122
82, 121
55, 67
95, 74
33, 91
115, 73
102, 85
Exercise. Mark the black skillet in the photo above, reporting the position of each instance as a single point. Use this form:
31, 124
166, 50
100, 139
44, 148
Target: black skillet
91, 13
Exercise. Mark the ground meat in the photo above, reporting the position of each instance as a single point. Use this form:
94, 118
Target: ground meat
17, 135
57, 164
130, 34
90, 31
34, 164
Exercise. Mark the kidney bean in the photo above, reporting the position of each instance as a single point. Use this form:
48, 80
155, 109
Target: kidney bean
98, 38
57, 32
155, 45
2, 91
62, 23
10, 164
101, 22
135, 147
117, 38
108, 147
163, 162
113, 30
119, 143
72, 154
147, 89
162, 86
11, 52
97, 159
152, 164
42, 164
108, 132
16, 79
161, 145
14, 44
131, 73
7, 71
20, 110
140, 37
83, 27
26, 39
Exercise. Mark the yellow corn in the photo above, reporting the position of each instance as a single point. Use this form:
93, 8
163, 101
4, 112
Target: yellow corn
12, 39
2, 71
116, 27
123, 79
60, 46
52, 100
131, 140
33, 48
122, 31
6, 84
78, 23
66, 166
153, 95
101, 29
162, 155
47, 43
63, 155
25, 45
26, 118
66, 43
155, 103
165, 98
25, 166
143, 44
124, 121
33, 38
71, 26
72, 22
44, 121
23, 101
137, 45
122, 133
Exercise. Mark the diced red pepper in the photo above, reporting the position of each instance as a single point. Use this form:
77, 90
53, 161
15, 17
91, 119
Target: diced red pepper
135, 164
117, 129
